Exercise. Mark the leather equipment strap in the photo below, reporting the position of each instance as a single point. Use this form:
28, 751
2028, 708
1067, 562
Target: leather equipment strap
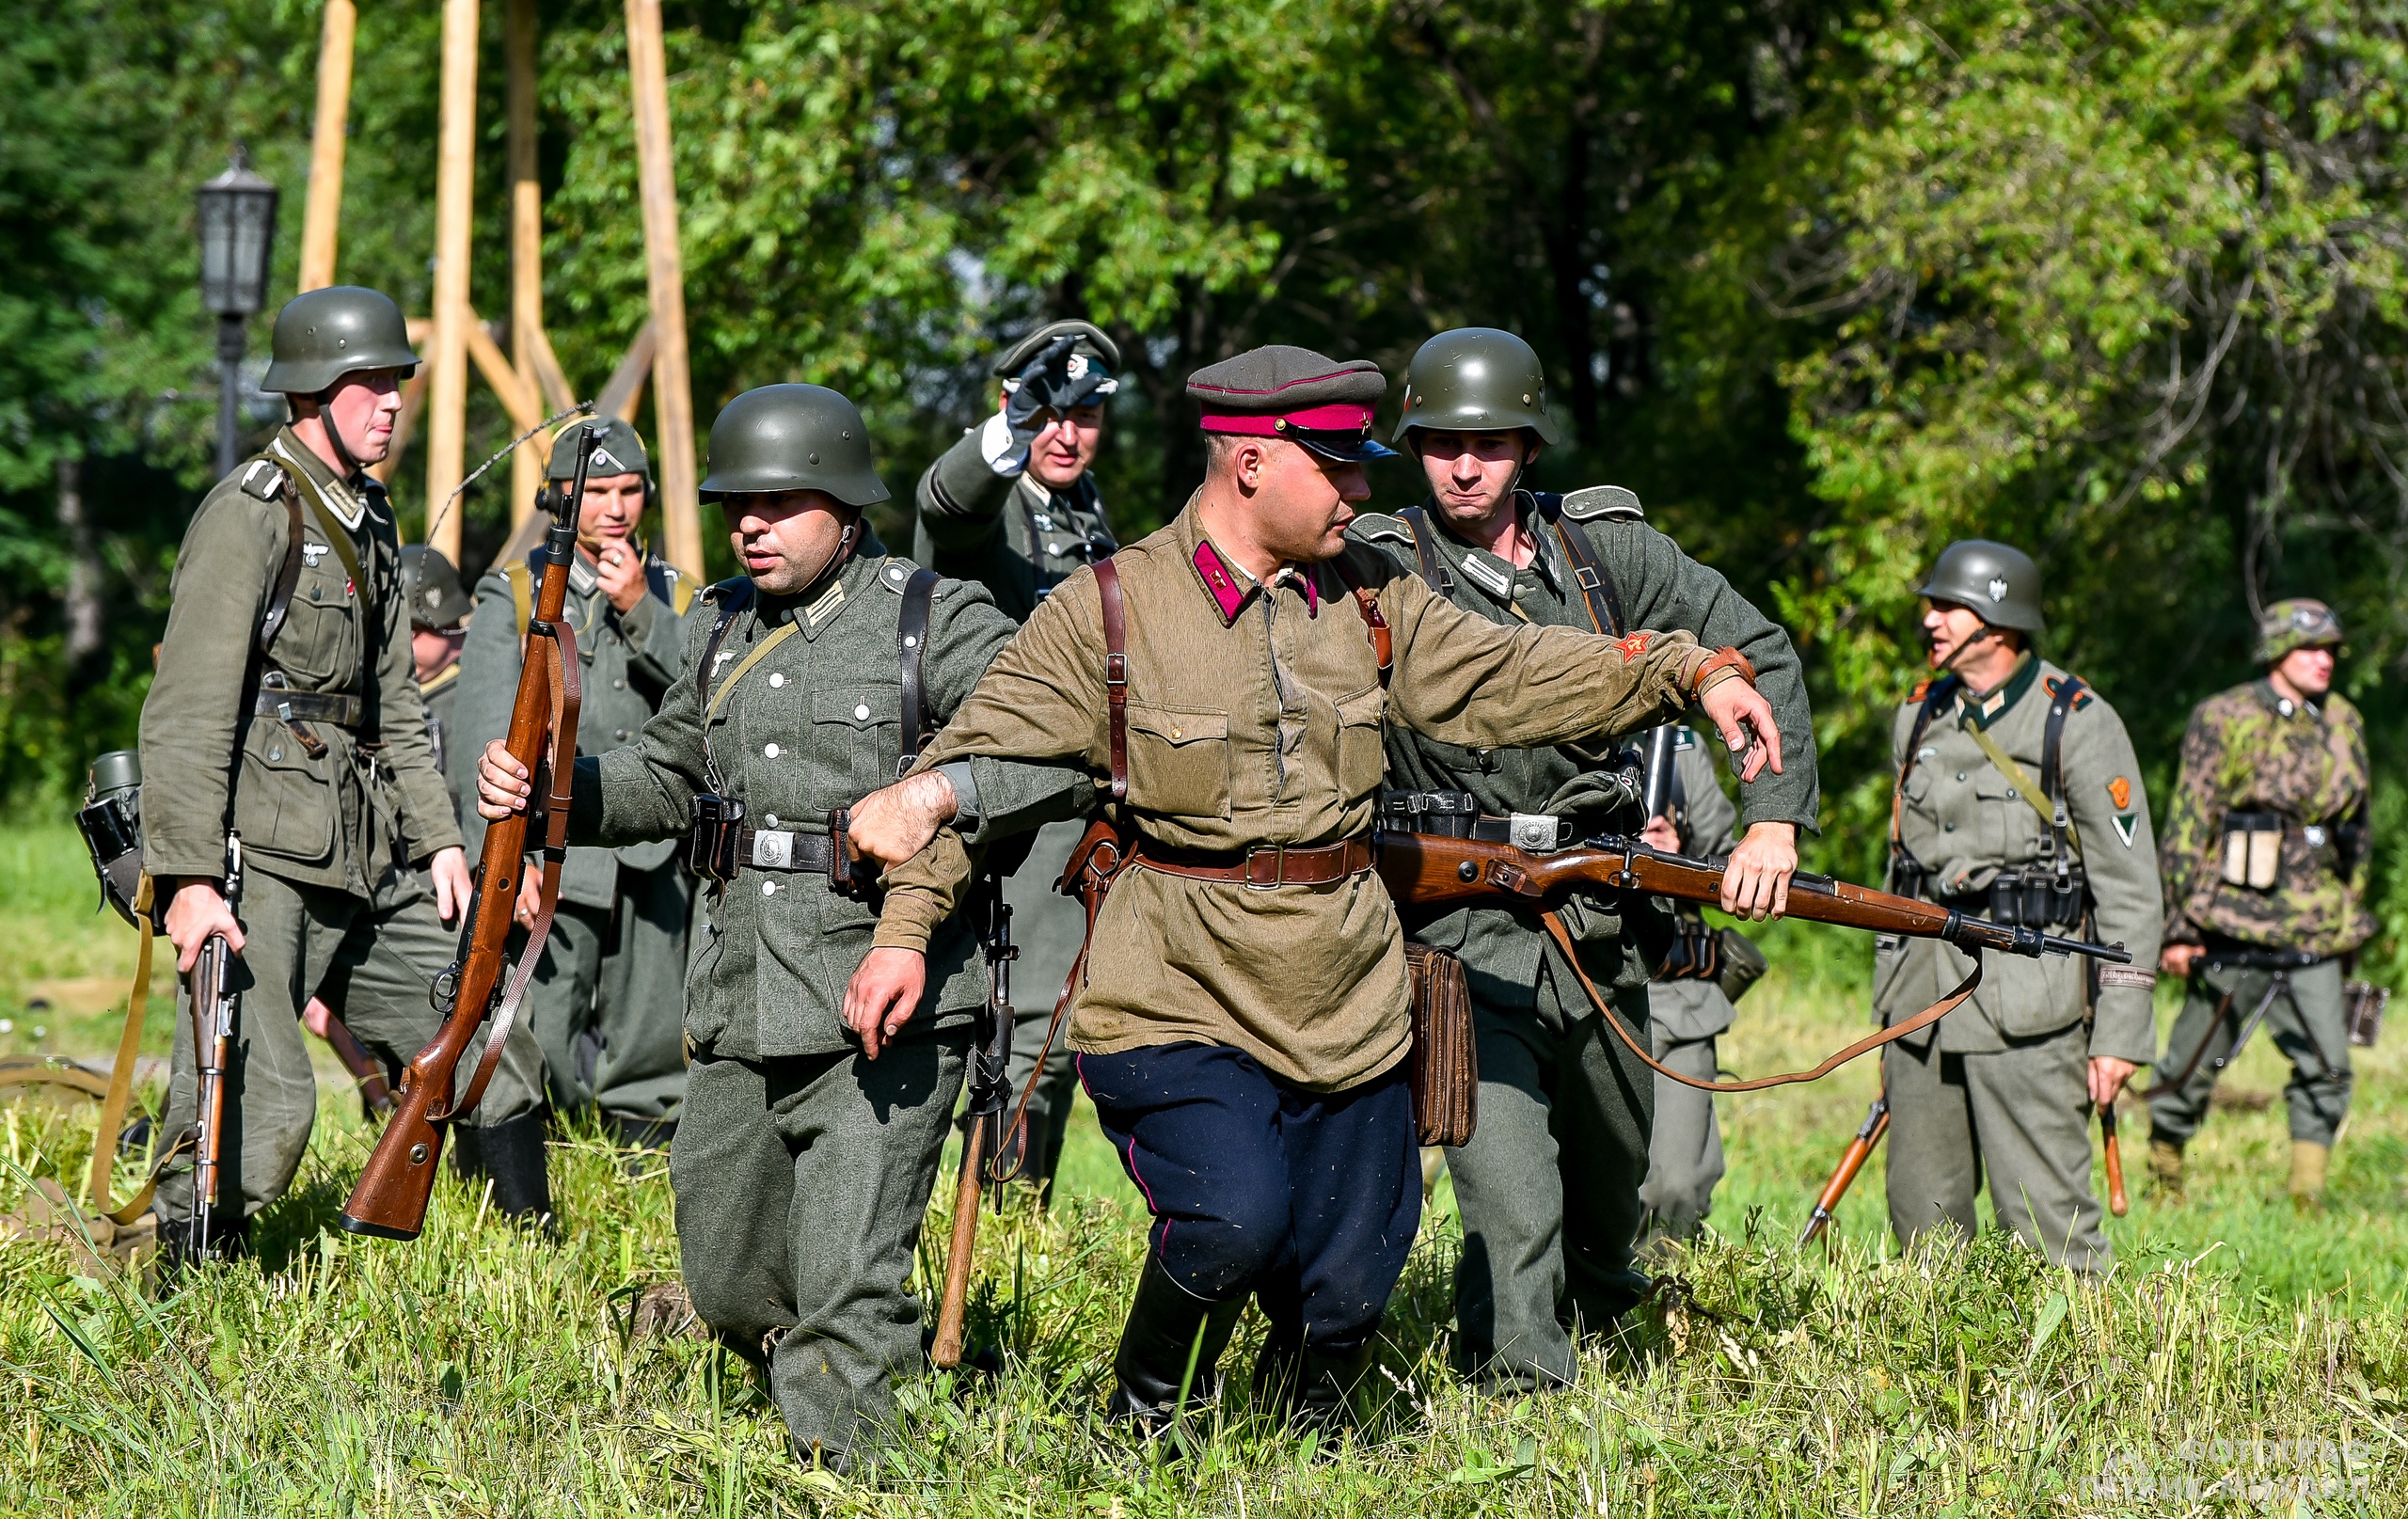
1102, 852
911, 638
1116, 671
307, 706
1425, 550
1597, 588
2035, 797
1937, 695
1264, 866
1871, 1043
1375, 626
279, 598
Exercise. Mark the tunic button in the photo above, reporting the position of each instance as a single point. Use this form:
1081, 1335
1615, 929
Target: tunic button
860, 714
618, 685
769, 888
769, 821
1948, 827
275, 753
622, 732
776, 680
1177, 734
770, 749
1960, 775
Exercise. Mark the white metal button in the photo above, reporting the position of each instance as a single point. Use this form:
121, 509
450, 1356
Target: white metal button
776, 680
911, 640
770, 749
860, 714
769, 820
769, 888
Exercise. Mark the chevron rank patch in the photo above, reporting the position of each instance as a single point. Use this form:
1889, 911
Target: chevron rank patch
2125, 824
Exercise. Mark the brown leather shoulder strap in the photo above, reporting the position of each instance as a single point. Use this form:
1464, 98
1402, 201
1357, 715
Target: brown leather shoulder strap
1116, 671
1597, 588
1375, 626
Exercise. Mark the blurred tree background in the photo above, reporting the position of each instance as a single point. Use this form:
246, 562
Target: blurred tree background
1826, 285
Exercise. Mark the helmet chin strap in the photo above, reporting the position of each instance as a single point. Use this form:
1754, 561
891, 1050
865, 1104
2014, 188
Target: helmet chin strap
850, 541
352, 467
1990, 632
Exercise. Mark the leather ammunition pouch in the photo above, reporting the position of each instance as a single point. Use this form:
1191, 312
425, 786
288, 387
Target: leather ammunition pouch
1701, 952
2363, 1005
1446, 1058
2034, 896
2252, 856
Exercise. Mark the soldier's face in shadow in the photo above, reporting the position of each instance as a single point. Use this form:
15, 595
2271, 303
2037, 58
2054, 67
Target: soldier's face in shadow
1471, 475
1961, 641
1294, 505
785, 540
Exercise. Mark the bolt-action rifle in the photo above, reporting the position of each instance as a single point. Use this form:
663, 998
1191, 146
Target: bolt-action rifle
982, 1136
1427, 871
1860, 1149
213, 1029
390, 1199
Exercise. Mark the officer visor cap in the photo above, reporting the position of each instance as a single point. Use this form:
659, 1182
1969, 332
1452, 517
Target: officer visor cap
790, 437
1090, 340
1296, 394
2296, 622
620, 452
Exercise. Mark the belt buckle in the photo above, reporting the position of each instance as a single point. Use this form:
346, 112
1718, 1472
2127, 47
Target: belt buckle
1278, 853
773, 849
1534, 832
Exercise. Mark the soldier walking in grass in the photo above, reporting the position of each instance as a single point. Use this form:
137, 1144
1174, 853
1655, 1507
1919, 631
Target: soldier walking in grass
285, 709
607, 999
1549, 1184
2017, 798
1014, 506
805, 1159
1242, 1018
2266, 864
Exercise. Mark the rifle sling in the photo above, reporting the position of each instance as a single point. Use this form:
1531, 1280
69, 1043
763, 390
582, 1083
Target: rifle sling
1871, 1043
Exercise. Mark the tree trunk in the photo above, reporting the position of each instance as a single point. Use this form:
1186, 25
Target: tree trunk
84, 608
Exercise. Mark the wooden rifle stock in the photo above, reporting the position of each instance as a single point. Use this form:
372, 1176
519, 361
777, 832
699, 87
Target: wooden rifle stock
2118, 1201
1860, 1149
370, 1076
212, 1020
985, 1135
391, 1198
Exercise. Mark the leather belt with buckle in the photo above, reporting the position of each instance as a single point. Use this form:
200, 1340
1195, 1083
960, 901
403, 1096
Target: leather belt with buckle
1264, 866
307, 706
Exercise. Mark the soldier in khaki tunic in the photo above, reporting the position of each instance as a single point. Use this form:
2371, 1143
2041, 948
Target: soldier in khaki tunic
805, 1158
2266, 864
607, 1000
285, 709
1241, 1020
1549, 1184
2017, 798
1013, 506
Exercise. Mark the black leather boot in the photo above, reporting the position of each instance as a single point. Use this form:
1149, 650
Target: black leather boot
512, 1155
1167, 1325
640, 1134
229, 1240
1326, 1384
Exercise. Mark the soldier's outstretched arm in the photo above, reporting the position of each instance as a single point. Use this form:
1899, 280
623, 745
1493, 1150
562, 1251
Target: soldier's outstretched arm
962, 495
1462, 680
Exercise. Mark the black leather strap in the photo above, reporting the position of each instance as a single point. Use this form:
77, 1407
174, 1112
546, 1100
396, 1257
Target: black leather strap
911, 640
279, 598
307, 706
1596, 583
1425, 550
2052, 760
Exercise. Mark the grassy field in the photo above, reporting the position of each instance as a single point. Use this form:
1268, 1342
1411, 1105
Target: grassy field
2243, 1358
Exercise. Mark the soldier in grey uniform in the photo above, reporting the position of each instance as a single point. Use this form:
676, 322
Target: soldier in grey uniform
284, 708
805, 1159
1689, 1004
1549, 1184
607, 999
1013, 506
2019, 798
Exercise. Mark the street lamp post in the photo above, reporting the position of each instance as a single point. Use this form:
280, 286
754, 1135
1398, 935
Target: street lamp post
237, 234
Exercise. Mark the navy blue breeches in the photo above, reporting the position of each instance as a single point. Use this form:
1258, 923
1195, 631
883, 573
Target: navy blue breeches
1307, 1199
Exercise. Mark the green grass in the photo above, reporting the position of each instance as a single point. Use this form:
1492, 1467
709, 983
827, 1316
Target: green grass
481, 1371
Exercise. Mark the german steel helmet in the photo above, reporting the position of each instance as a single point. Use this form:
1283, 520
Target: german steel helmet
2001, 585
323, 335
431, 589
2296, 622
620, 452
793, 437
1476, 380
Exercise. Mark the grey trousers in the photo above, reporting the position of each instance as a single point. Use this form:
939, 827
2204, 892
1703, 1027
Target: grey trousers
2309, 1022
1685, 1155
608, 1002
372, 961
2023, 1115
1548, 1186
802, 1185
1047, 928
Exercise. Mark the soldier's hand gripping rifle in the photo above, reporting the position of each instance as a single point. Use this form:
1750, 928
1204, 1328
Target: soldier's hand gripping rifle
1426, 871
390, 1199
213, 1029
1860, 1149
983, 1137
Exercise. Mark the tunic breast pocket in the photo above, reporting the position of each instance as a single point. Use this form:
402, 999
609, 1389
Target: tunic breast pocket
284, 800
1179, 760
1362, 761
2007, 827
319, 643
857, 735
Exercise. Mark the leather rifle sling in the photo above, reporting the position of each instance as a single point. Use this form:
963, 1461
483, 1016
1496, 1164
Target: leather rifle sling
1871, 1043
561, 668
1597, 589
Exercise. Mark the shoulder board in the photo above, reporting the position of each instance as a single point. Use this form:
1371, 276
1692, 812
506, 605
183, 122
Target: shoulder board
263, 479
1607, 502
734, 591
2053, 684
1378, 527
897, 574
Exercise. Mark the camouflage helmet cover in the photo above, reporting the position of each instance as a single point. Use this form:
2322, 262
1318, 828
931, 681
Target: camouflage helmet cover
2296, 622
620, 452
1999, 584
432, 591
1476, 380
323, 335
785, 437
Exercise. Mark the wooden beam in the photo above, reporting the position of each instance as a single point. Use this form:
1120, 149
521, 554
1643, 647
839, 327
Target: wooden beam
556, 391
526, 244
518, 396
322, 219
454, 182
672, 400
619, 397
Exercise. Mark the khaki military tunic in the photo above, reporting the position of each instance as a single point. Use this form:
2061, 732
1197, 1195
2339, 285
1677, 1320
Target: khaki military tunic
1998, 1093
1255, 718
